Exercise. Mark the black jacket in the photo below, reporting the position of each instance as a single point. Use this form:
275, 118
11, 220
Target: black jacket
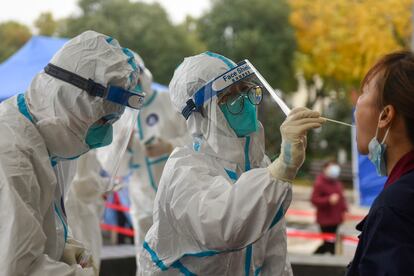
386, 243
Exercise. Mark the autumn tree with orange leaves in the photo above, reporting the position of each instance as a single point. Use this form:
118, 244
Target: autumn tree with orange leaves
340, 39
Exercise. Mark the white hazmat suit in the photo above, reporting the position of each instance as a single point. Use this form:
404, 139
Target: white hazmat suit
160, 128
50, 122
220, 205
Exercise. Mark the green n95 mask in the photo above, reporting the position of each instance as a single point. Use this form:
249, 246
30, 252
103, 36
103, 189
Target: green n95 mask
243, 122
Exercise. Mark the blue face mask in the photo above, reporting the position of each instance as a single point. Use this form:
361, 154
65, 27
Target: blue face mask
376, 153
99, 136
243, 123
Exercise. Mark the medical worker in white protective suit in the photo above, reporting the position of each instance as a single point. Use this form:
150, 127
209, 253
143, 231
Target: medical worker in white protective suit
220, 203
68, 109
160, 128
85, 204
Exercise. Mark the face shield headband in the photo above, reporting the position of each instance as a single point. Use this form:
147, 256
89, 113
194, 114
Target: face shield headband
115, 94
244, 71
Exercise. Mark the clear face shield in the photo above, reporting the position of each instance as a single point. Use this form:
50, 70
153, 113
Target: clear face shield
111, 140
112, 157
230, 104
114, 128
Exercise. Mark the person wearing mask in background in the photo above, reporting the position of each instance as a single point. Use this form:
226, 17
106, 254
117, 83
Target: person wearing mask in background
384, 119
220, 204
159, 130
68, 109
328, 198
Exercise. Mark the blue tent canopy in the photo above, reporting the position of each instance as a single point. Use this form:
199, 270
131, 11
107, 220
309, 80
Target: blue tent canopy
370, 183
17, 72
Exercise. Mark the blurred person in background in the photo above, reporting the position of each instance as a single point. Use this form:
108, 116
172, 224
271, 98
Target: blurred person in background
384, 119
159, 129
329, 200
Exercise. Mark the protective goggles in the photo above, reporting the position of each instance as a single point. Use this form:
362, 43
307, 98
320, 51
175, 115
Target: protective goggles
115, 94
241, 81
234, 99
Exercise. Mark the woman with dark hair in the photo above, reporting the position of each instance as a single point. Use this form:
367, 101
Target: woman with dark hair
384, 119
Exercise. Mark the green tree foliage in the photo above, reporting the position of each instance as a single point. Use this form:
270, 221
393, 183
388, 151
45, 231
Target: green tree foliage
256, 30
341, 39
12, 36
144, 28
46, 24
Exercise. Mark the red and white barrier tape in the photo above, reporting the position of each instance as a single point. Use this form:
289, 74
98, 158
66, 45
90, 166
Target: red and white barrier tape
290, 233
117, 207
304, 213
121, 230
318, 236
290, 212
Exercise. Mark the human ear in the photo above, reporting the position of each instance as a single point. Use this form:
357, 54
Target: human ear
387, 116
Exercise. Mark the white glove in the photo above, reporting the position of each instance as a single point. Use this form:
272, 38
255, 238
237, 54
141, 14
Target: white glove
293, 131
75, 254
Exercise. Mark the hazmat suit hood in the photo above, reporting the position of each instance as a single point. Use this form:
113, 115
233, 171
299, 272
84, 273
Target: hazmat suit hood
218, 138
145, 78
62, 112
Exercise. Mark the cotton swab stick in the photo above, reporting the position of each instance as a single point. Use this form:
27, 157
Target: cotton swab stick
338, 122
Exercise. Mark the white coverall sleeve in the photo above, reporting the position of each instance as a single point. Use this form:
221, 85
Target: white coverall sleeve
88, 185
219, 215
21, 236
